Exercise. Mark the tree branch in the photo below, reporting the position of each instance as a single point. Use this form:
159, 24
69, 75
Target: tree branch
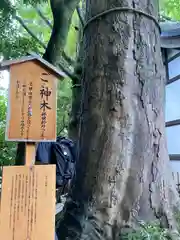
67, 58
29, 31
62, 15
48, 23
63, 126
66, 71
164, 17
80, 16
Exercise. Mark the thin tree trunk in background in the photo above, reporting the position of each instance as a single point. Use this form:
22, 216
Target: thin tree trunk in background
123, 172
76, 94
76, 84
62, 16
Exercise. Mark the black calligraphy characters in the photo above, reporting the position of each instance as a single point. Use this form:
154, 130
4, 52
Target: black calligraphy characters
45, 93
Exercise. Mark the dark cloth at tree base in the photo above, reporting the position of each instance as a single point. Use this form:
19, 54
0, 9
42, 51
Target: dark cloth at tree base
43, 152
62, 153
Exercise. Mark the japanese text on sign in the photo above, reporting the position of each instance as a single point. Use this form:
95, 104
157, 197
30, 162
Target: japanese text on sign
32, 104
45, 94
29, 197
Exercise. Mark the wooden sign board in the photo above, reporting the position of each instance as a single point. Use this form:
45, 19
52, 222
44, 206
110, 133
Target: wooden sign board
28, 203
32, 103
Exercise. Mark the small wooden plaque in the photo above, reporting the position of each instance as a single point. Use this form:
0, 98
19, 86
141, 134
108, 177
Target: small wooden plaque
28, 203
31, 113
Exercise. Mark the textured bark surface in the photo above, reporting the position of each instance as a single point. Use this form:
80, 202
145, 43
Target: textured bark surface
123, 171
73, 131
62, 14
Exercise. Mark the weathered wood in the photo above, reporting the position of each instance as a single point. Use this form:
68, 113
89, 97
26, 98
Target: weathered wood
30, 150
36, 58
32, 103
28, 203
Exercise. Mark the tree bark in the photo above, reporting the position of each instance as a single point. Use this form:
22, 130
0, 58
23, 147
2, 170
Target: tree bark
123, 172
73, 131
62, 15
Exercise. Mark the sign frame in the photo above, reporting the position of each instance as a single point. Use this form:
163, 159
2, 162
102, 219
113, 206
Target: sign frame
54, 72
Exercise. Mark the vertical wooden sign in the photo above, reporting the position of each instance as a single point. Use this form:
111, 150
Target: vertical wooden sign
28, 192
28, 203
32, 103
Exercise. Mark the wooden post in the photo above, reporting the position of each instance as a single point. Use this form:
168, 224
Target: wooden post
30, 150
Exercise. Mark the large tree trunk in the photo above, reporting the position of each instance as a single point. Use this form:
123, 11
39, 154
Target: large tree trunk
123, 172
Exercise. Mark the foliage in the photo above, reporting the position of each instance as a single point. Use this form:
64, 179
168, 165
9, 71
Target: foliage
13, 42
15, 48
70, 48
151, 231
63, 106
170, 8
177, 218
7, 149
13, 33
